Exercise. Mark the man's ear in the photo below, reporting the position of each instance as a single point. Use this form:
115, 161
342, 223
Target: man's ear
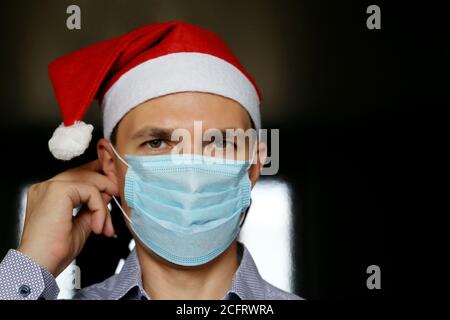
106, 158
258, 163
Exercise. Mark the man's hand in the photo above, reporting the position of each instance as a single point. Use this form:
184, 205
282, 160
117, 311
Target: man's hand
51, 235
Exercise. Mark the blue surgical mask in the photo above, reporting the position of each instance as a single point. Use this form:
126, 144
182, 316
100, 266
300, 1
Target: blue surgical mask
187, 209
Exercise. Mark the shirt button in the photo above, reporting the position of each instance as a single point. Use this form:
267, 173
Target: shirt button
24, 290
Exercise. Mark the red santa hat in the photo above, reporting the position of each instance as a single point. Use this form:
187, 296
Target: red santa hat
152, 61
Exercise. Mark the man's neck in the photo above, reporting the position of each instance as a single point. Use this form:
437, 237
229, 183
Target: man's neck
163, 280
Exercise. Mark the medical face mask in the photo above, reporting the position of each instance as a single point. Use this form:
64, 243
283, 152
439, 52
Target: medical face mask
187, 209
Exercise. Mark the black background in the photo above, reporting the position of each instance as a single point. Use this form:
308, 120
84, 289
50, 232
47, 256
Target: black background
355, 109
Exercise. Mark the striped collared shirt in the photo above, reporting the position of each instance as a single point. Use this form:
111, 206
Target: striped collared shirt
247, 283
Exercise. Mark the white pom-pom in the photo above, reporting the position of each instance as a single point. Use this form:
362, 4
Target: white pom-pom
69, 142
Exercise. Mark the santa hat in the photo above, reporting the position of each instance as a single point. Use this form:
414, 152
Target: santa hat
152, 61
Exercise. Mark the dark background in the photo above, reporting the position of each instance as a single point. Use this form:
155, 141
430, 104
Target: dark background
352, 106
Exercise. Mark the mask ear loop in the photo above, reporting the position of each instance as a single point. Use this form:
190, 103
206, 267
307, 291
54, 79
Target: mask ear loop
118, 155
121, 209
115, 199
244, 217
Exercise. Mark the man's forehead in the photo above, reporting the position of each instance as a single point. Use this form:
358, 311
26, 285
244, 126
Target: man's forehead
183, 110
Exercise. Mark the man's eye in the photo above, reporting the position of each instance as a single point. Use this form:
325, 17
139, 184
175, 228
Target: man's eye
156, 144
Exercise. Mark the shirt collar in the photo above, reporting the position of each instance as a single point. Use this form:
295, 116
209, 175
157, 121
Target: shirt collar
128, 278
247, 283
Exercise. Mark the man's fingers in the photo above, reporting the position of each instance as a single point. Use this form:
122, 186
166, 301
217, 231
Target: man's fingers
100, 213
82, 227
108, 228
84, 221
101, 182
106, 197
90, 196
90, 173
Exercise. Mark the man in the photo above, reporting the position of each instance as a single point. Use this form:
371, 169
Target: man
184, 206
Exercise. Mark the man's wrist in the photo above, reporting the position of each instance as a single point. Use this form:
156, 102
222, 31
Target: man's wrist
41, 261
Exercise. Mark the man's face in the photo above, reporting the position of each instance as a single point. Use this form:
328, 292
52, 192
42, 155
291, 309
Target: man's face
147, 130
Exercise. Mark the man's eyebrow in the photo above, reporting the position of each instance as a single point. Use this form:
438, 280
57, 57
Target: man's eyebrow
153, 132
223, 131
166, 133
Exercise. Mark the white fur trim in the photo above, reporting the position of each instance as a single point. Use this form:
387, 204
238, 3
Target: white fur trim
177, 72
71, 141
